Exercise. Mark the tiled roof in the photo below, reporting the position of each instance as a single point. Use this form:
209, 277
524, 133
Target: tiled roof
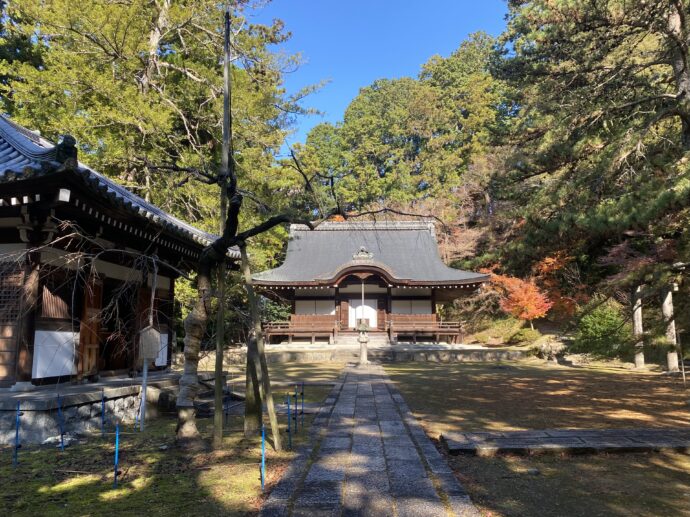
406, 251
24, 154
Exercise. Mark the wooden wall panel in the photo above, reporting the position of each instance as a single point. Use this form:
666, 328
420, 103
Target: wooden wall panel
344, 313
381, 303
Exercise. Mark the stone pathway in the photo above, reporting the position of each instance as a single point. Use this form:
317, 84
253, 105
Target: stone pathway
568, 440
369, 456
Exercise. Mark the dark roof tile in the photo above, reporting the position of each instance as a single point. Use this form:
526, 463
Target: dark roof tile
406, 250
22, 151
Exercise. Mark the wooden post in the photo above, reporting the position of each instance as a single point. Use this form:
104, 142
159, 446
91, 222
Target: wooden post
667, 312
638, 331
257, 361
227, 171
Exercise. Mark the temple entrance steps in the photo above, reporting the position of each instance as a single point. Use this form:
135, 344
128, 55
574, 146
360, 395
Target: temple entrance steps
376, 339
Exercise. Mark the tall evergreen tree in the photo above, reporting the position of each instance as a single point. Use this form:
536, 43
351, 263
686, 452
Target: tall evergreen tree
605, 127
406, 140
138, 83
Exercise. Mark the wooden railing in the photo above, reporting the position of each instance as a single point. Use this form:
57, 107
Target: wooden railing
422, 325
412, 325
304, 325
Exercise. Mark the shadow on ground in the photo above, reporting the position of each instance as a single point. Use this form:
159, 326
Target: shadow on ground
641, 484
519, 396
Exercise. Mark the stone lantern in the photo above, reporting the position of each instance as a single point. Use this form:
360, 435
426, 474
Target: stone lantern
363, 339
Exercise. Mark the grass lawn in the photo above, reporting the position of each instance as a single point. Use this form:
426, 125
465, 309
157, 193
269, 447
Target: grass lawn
532, 395
650, 484
535, 395
156, 477
284, 375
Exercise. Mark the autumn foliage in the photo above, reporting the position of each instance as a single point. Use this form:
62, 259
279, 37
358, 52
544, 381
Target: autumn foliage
521, 298
561, 283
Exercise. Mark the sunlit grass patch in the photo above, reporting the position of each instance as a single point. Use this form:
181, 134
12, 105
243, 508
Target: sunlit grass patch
156, 478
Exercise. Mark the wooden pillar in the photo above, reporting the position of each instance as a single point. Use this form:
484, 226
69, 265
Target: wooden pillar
389, 305
638, 331
670, 324
27, 318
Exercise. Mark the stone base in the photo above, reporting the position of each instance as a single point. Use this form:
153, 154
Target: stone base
571, 441
23, 386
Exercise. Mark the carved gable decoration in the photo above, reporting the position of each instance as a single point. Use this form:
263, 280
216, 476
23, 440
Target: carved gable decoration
363, 254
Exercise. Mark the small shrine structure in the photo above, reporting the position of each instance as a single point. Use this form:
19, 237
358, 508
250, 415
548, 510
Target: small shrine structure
79, 258
388, 275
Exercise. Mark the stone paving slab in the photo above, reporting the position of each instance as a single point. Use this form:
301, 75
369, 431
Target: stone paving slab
370, 457
568, 441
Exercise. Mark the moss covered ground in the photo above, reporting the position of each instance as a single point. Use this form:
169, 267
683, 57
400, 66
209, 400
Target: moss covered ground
156, 477
535, 395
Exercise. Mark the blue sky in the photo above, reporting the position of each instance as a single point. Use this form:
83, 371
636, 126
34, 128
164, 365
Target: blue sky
351, 43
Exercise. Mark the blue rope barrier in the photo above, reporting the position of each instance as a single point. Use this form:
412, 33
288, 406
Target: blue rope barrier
302, 405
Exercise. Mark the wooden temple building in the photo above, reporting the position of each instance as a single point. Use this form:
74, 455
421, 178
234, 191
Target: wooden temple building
77, 255
387, 275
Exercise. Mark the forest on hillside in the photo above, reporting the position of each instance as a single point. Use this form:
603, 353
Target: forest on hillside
555, 153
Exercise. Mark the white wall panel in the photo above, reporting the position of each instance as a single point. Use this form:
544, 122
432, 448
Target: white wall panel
420, 306
323, 307
411, 306
54, 353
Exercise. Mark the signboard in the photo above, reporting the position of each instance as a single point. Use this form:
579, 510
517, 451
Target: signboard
149, 343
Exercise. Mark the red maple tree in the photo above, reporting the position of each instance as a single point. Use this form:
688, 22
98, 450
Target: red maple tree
521, 299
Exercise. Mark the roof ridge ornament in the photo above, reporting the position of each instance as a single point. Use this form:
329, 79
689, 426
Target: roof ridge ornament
66, 149
363, 254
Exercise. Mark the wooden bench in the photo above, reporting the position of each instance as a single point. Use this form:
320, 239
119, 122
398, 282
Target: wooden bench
304, 325
422, 325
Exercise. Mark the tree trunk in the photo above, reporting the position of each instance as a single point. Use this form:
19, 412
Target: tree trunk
159, 22
261, 376
252, 400
28, 303
678, 43
669, 321
195, 327
638, 331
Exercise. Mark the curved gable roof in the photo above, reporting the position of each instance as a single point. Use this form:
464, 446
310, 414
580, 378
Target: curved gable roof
25, 154
406, 251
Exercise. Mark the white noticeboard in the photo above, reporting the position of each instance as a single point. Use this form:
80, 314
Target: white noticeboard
149, 343
162, 357
54, 353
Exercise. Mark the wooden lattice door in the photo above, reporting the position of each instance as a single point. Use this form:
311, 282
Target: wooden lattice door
90, 327
11, 276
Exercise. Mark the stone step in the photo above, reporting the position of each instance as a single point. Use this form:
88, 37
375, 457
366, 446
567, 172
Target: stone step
567, 441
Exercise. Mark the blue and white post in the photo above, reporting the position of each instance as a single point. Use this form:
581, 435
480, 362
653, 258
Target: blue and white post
296, 415
117, 452
102, 413
15, 458
302, 405
61, 424
289, 430
263, 456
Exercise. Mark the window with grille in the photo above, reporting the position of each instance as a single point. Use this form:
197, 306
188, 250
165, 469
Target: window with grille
11, 275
